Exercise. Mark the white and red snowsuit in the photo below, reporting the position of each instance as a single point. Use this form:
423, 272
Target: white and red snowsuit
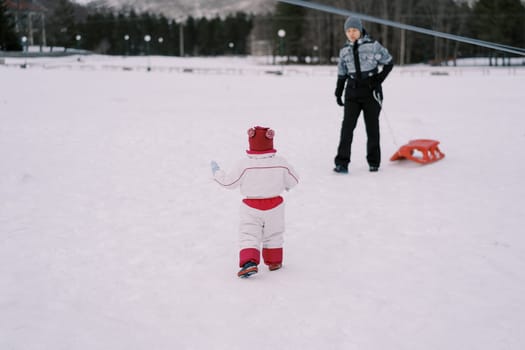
261, 178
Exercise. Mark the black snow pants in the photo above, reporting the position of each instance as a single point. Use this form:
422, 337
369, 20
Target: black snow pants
352, 109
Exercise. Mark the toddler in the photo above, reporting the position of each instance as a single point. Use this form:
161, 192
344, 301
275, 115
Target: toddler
261, 177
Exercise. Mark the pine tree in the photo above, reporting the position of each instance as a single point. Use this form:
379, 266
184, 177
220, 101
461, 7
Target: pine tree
292, 19
8, 38
62, 27
236, 31
500, 21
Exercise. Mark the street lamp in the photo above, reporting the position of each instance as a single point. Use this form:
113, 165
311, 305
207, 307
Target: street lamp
24, 42
281, 33
160, 40
147, 39
316, 57
78, 37
126, 39
24, 49
231, 45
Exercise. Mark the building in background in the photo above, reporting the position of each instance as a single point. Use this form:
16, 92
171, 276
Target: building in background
30, 20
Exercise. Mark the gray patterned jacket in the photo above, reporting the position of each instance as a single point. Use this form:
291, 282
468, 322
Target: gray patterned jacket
371, 55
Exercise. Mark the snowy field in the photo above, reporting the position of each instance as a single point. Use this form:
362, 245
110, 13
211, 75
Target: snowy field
113, 236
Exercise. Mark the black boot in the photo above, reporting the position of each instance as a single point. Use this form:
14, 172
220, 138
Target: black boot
341, 169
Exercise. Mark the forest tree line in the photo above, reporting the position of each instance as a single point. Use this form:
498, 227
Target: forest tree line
310, 36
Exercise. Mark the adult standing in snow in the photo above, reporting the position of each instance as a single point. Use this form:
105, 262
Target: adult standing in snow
261, 177
358, 67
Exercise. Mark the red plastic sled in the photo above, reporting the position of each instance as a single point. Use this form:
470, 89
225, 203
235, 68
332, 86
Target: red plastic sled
428, 148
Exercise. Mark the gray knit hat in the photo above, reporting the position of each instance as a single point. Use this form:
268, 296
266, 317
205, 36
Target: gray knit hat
353, 22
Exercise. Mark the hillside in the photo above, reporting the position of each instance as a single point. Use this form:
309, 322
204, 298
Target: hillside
197, 8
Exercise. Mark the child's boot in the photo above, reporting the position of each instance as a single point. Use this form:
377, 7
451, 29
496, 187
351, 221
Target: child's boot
273, 267
248, 269
273, 257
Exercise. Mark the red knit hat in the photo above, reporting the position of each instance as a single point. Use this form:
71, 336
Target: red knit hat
261, 140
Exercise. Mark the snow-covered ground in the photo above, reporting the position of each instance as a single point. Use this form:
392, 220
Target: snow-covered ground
113, 236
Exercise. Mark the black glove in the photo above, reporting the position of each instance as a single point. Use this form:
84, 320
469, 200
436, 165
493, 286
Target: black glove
341, 80
384, 73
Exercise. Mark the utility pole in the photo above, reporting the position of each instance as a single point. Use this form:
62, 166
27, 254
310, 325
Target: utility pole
43, 43
181, 39
402, 47
17, 17
30, 27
